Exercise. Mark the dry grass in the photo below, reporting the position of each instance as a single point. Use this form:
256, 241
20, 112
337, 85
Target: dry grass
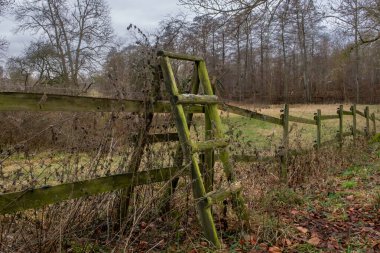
91, 224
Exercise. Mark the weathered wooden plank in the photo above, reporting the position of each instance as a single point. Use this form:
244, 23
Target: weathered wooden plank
36, 198
178, 56
209, 155
301, 120
328, 117
179, 156
199, 191
222, 194
317, 119
237, 199
360, 113
284, 149
373, 118
347, 112
209, 144
196, 99
354, 131
340, 133
367, 118
249, 114
15, 101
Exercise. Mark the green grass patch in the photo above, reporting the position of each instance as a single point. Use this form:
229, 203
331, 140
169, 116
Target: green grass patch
307, 248
376, 200
361, 172
349, 184
334, 200
375, 138
261, 133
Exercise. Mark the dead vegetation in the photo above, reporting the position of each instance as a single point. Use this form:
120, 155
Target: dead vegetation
91, 224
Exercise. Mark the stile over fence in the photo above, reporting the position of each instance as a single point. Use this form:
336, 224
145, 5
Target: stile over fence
183, 105
35, 198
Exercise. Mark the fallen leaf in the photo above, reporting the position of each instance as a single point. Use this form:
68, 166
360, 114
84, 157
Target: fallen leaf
314, 241
274, 249
143, 225
302, 229
263, 246
333, 243
143, 244
294, 212
204, 244
288, 242
250, 238
350, 197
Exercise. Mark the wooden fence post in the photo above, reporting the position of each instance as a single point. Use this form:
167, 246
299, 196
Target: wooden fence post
209, 160
366, 114
340, 133
373, 117
285, 144
353, 110
317, 117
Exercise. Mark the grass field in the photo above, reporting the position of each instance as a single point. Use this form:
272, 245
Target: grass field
263, 134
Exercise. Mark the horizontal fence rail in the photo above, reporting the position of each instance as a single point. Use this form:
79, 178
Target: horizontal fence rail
12, 101
328, 117
250, 114
347, 113
39, 197
301, 120
360, 113
177, 56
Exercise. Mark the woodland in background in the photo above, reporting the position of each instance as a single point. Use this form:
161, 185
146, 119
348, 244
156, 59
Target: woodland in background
294, 51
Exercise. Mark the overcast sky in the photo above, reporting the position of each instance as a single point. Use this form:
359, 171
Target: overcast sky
144, 13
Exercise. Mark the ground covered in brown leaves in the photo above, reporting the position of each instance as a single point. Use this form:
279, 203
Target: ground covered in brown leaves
340, 214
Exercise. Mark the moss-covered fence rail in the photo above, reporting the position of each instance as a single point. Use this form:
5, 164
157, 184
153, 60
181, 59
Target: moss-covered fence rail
35, 198
39, 197
285, 118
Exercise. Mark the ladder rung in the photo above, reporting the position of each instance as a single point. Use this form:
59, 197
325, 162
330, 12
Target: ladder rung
222, 194
211, 144
196, 99
177, 56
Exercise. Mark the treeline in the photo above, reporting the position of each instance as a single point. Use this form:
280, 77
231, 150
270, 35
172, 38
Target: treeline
256, 51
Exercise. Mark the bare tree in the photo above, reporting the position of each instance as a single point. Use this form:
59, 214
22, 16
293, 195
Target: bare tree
78, 31
4, 5
240, 8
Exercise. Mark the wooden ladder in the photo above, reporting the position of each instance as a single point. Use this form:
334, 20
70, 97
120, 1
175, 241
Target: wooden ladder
214, 139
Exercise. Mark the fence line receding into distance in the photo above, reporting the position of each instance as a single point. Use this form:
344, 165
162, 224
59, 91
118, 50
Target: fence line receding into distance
39, 197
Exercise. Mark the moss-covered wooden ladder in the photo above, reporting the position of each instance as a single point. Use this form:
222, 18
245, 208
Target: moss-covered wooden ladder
214, 139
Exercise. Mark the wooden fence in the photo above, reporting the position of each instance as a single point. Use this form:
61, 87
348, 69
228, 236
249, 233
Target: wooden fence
285, 118
39, 197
